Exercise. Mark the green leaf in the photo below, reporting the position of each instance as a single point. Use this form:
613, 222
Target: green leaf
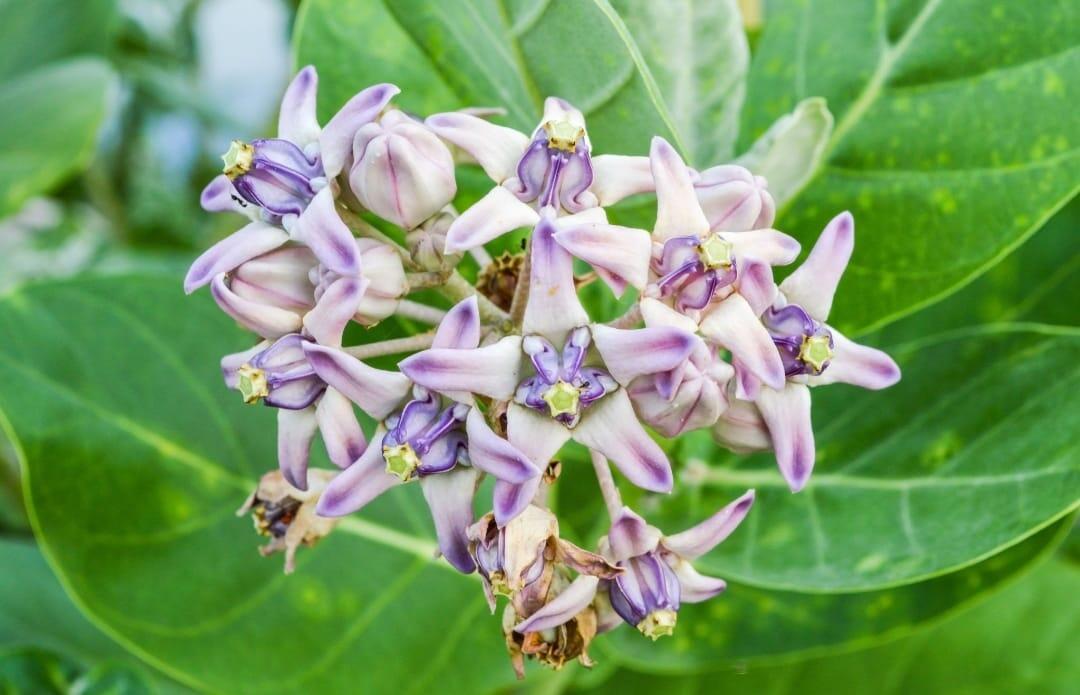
970, 453
49, 129
136, 457
487, 53
699, 56
42, 31
1020, 641
956, 134
748, 625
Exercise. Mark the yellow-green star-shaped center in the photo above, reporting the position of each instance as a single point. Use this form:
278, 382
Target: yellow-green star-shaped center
715, 252
238, 159
815, 351
659, 623
563, 135
251, 383
562, 399
401, 461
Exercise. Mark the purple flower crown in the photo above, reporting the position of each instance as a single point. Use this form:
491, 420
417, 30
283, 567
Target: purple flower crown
517, 368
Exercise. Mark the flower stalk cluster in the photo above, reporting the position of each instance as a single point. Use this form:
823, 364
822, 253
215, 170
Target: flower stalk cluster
514, 366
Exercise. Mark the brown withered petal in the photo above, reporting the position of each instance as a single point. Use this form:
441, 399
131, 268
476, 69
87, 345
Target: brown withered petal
287, 515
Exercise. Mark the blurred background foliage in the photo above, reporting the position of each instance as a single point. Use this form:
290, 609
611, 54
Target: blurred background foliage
124, 570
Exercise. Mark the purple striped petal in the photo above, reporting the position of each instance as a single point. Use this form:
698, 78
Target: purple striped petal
336, 139
378, 392
509, 499
450, 498
677, 210
537, 436
340, 429
755, 284
573, 599
221, 196
630, 536
787, 415
460, 328
733, 325
617, 176
297, 121
296, 429
266, 320
495, 148
630, 353
698, 540
553, 308
320, 227
857, 364
494, 455
611, 428
327, 321
253, 240
495, 214
358, 484
621, 253
813, 283
695, 587
493, 370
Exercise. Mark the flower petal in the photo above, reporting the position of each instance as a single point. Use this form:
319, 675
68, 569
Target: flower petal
320, 227
755, 284
632, 352
510, 499
677, 210
656, 313
460, 328
611, 427
732, 324
266, 320
536, 435
494, 455
296, 429
495, 214
450, 498
358, 484
248, 242
695, 587
733, 199
574, 598
698, 540
492, 370
623, 252
221, 196
297, 121
340, 429
813, 283
377, 391
766, 245
336, 139
327, 321
630, 536
494, 147
787, 415
857, 364
741, 428
553, 308
231, 363
617, 176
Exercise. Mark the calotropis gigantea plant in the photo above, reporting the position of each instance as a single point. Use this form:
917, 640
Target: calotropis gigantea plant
517, 367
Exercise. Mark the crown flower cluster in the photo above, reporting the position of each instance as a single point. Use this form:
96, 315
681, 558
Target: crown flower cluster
346, 220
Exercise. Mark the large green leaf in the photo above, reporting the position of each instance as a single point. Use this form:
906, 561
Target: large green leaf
971, 452
956, 133
135, 459
41, 31
1021, 641
481, 53
49, 126
749, 625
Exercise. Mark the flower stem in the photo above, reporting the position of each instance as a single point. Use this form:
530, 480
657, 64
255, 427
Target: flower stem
458, 288
521, 289
421, 341
420, 281
481, 256
419, 312
612, 498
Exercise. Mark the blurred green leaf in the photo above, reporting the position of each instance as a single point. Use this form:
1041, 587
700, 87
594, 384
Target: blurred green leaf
956, 134
973, 451
49, 127
748, 625
37, 32
1020, 641
136, 457
513, 54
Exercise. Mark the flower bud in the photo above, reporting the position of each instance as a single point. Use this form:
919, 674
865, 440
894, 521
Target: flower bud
270, 293
287, 515
427, 244
691, 396
383, 279
401, 170
734, 200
